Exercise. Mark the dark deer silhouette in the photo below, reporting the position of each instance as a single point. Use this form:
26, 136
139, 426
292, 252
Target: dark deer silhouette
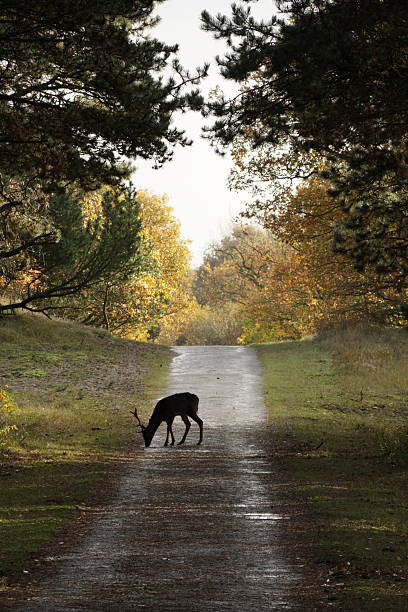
180, 404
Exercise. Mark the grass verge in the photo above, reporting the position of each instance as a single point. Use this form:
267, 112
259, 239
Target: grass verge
339, 409
69, 390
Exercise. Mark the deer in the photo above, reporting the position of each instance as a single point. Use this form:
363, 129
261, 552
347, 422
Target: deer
180, 404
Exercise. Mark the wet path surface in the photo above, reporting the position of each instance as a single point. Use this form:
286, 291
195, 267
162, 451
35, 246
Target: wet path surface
191, 528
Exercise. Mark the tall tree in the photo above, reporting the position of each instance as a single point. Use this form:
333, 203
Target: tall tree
330, 76
82, 88
154, 294
234, 266
290, 199
235, 274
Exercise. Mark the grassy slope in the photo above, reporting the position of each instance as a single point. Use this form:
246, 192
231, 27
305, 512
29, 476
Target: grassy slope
73, 387
339, 405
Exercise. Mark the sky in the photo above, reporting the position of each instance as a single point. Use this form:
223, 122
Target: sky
196, 178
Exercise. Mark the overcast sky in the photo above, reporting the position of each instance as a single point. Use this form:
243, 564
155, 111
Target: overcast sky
196, 179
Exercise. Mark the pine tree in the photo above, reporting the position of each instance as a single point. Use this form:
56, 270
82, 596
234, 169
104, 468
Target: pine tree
330, 77
82, 89
77, 253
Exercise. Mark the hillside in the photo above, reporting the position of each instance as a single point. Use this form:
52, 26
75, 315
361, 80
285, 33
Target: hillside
68, 390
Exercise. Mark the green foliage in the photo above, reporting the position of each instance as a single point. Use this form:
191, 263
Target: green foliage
334, 77
83, 88
374, 228
107, 245
148, 289
82, 252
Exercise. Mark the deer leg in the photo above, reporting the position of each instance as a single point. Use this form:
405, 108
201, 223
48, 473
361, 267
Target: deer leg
169, 432
188, 425
200, 424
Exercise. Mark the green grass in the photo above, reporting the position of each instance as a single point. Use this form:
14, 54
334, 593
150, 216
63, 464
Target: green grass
72, 388
339, 412
37, 499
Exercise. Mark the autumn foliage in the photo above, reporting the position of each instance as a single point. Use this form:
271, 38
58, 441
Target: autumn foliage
319, 144
282, 279
319, 141
144, 300
159, 295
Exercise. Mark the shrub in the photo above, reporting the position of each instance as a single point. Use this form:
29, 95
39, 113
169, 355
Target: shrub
7, 409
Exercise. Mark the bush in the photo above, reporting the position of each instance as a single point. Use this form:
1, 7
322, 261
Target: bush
7, 409
394, 443
212, 326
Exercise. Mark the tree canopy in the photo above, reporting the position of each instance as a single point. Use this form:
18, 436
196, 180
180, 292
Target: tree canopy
149, 293
55, 249
329, 77
82, 88
85, 88
332, 75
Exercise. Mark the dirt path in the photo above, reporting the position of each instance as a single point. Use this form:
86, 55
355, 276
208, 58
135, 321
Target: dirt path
192, 528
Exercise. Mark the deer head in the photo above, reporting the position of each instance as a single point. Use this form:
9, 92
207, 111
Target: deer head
147, 431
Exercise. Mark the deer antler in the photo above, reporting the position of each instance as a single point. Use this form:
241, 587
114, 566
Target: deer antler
142, 427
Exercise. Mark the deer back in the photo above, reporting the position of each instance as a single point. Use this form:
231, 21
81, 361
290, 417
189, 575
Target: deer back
174, 405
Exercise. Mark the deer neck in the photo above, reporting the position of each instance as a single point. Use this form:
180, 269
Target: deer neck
153, 425
150, 430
